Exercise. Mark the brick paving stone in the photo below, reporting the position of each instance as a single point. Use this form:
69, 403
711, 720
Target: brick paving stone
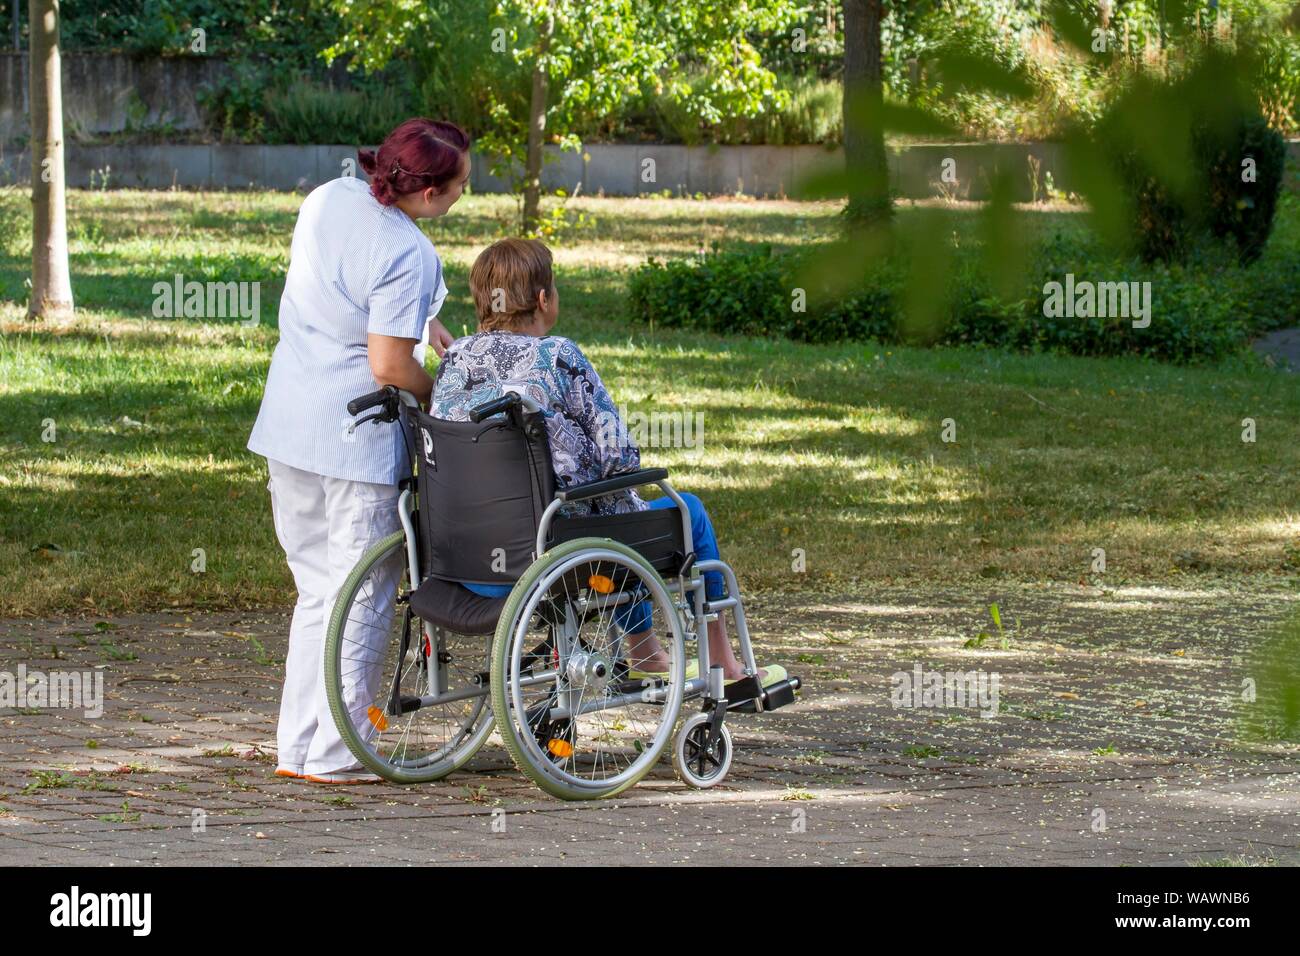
1122, 701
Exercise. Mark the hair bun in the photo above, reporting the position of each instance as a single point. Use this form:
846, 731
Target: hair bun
418, 154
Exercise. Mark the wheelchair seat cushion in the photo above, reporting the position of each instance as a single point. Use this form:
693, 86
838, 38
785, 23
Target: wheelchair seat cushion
456, 608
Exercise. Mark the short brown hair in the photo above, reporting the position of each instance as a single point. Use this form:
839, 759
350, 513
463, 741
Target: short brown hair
505, 280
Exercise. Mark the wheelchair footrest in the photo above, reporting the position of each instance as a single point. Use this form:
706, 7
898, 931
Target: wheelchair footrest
747, 688
742, 698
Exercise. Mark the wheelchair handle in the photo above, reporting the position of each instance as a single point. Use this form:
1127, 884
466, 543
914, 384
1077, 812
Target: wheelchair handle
488, 409
359, 405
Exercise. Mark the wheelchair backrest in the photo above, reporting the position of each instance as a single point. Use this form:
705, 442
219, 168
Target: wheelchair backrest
482, 491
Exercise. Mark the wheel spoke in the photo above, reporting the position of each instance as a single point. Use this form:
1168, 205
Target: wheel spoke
613, 734
368, 662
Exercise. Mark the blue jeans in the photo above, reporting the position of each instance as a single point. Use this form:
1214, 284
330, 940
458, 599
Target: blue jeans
636, 618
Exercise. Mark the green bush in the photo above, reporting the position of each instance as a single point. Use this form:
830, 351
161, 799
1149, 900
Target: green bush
1237, 206
1268, 293
233, 108
742, 291
311, 113
813, 115
1277, 57
1158, 215
1178, 148
1203, 310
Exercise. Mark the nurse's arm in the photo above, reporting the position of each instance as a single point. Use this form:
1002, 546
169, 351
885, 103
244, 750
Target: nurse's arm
392, 362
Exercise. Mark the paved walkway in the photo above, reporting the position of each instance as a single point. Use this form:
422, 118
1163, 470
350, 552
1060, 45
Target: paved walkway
1113, 743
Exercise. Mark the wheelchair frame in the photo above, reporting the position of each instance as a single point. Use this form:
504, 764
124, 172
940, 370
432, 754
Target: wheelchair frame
684, 593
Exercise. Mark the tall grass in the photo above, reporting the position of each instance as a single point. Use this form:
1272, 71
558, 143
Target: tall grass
835, 450
311, 113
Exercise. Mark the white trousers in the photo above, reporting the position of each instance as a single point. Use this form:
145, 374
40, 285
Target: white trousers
325, 525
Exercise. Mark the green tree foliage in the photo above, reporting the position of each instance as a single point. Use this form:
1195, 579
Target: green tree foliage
284, 31
519, 67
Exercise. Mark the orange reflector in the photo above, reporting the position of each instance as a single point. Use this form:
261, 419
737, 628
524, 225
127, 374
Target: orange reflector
377, 718
560, 748
600, 584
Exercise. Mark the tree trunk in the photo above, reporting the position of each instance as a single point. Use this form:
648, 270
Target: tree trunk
537, 129
864, 134
51, 284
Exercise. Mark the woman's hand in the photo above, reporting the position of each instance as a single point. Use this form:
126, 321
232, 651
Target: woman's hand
439, 337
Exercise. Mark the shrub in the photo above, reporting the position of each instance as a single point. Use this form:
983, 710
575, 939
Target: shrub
743, 291
233, 107
1268, 293
1277, 57
1159, 221
871, 313
868, 310
1240, 207
312, 113
813, 114
1204, 310
1178, 147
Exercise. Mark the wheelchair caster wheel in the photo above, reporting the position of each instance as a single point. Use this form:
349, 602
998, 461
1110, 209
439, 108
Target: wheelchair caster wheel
698, 766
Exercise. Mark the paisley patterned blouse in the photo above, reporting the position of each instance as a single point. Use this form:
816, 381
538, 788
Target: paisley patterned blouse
587, 437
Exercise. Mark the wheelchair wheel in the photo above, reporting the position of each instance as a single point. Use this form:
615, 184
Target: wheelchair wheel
570, 713
696, 763
379, 661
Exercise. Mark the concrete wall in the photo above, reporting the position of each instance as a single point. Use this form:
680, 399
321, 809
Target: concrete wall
612, 170
109, 92
638, 169
915, 171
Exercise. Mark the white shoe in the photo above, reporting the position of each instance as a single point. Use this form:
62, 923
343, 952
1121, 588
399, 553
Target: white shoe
343, 777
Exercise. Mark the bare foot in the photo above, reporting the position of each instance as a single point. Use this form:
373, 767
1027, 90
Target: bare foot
652, 665
644, 653
737, 672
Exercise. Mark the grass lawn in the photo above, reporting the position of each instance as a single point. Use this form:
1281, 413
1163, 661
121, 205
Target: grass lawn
833, 450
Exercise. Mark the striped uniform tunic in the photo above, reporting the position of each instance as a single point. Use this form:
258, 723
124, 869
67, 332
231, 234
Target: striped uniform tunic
355, 267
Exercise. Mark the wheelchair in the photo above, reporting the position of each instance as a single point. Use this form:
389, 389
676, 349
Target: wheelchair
419, 670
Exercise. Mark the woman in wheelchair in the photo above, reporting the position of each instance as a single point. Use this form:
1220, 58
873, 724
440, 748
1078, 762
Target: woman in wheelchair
517, 304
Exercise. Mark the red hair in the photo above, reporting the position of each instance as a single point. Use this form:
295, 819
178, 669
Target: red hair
419, 154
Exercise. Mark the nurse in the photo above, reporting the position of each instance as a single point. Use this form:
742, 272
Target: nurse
363, 285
